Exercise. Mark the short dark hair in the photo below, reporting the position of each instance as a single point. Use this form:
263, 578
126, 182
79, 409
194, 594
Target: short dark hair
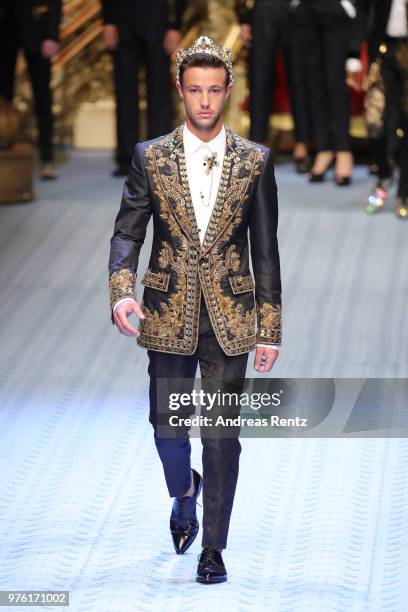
203, 60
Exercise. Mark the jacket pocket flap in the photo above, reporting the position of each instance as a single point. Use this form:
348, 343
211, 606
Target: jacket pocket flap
241, 283
156, 280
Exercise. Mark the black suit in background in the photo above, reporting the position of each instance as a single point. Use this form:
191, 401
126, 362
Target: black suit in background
326, 33
26, 24
393, 54
141, 28
274, 26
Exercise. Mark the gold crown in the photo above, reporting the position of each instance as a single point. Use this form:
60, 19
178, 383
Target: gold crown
204, 44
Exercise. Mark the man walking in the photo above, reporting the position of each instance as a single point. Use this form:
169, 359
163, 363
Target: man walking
205, 188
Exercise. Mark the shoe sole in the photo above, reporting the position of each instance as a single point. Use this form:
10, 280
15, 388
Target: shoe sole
212, 580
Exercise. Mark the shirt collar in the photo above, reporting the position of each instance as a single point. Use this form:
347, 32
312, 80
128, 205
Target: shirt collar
192, 143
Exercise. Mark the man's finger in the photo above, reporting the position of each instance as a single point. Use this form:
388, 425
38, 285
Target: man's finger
137, 310
124, 326
258, 356
264, 359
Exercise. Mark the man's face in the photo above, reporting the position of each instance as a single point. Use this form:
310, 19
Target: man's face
204, 93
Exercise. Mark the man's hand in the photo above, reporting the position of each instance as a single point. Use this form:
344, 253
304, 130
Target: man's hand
355, 80
122, 312
354, 73
49, 48
172, 40
265, 358
110, 36
246, 33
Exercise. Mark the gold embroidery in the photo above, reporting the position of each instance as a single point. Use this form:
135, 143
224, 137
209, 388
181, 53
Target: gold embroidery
269, 318
172, 325
234, 326
241, 283
121, 285
156, 280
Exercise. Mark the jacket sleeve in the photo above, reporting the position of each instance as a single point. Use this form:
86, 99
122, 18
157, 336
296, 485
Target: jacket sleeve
263, 225
243, 10
129, 232
176, 9
54, 20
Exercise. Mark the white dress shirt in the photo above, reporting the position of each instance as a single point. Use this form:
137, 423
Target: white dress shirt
203, 186
397, 21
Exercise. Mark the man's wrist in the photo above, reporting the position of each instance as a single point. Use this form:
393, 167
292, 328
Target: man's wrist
276, 347
122, 301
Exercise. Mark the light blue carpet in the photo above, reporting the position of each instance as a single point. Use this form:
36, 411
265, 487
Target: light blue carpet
318, 525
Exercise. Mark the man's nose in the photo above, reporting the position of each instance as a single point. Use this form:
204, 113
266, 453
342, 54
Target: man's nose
205, 101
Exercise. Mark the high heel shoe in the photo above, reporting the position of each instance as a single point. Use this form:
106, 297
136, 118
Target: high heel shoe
344, 167
315, 177
302, 164
319, 177
342, 181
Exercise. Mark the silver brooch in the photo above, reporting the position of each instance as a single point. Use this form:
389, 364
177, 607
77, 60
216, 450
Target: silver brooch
210, 161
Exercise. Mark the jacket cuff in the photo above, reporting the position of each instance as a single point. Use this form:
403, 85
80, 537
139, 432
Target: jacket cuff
121, 285
269, 323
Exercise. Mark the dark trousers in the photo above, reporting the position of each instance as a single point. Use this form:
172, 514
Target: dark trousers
132, 51
40, 76
274, 26
325, 30
220, 456
394, 71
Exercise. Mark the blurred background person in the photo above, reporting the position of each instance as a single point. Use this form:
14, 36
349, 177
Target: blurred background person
265, 27
387, 36
326, 31
34, 26
141, 31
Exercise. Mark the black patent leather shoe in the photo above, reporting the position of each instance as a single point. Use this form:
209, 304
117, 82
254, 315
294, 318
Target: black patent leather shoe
183, 520
211, 568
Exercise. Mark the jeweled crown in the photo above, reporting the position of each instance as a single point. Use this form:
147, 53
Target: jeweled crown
204, 44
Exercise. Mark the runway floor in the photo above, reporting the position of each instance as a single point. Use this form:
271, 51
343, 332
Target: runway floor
318, 525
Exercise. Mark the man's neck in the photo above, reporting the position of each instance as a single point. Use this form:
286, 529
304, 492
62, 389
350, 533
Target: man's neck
205, 135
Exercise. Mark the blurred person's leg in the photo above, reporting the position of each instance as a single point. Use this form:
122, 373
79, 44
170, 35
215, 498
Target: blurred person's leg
126, 73
336, 43
8, 55
159, 101
297, 86
40, 75
385, 147
401, 63
311, 33
268, 18
337, 32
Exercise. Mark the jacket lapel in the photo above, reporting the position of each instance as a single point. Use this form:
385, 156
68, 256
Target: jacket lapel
180, 201
236, 176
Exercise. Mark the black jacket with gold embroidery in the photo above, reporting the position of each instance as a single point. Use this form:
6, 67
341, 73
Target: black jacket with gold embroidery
181, 267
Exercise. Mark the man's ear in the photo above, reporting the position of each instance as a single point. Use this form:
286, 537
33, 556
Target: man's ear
180, 89
230, 87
